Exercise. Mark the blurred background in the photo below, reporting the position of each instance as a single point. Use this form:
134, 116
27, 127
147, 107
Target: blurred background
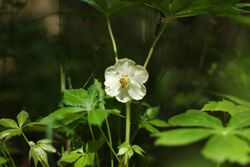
195, 56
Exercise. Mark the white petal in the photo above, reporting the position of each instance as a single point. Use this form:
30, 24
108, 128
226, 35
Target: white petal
136, 91
124, 66
111, 73
113, 89
139, 74
123, 96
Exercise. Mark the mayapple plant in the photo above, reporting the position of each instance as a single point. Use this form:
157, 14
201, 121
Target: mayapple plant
86, 108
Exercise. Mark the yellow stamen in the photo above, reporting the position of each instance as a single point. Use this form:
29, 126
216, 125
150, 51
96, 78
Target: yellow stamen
124, 81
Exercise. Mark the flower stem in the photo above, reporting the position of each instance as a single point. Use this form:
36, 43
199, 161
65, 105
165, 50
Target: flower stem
93, 138
152, 48
112, 38
110, 142
111, 148
127, 135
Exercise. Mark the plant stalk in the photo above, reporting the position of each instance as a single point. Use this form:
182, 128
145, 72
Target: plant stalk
112, 39
152, 48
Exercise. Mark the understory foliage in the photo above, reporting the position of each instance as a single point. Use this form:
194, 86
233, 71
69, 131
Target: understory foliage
87, 128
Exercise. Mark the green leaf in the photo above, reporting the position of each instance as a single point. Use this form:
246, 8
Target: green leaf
38, 155
138, 150
180, 137
7, 134
3, 160
85, 160
224, 105
158, 123
227, 148
64, 116
149, 127
45, 144
22, 118
237, 100
96, 117
240, 120
75, 97
107, 7
71, 156
125, 149
196, 118
245, 133
8, 123
152, 112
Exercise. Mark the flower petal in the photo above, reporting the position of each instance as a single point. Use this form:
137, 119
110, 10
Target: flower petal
139, 74
111, 73
136, 91
113, 89
123, 96
124, 66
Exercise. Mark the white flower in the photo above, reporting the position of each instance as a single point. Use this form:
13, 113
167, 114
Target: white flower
125, 80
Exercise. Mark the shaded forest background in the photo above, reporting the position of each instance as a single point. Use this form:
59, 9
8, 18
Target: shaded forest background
196, 57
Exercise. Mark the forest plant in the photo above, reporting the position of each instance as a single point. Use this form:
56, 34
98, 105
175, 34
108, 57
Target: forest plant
86, 107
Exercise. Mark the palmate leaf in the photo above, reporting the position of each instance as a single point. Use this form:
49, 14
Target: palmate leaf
107, 7
227, 148
38, 151
64, 116
240, 120
225, 106
196, 118
187, 8
180, 137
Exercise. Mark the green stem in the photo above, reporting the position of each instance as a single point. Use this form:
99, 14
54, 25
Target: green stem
93, 138
152, 48
25, 138
62, 78
10, 157
112, 38
110, 142
127, 135
111, 148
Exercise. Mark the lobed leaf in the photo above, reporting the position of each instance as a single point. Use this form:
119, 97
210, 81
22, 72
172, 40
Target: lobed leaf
225, 106
227, 148
107, 7
196, 118
240, 120
180, 137
9, 133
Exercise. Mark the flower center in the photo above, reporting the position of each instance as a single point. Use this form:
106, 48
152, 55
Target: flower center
124, 81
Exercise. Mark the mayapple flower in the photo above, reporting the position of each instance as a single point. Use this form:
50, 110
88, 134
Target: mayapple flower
125, 80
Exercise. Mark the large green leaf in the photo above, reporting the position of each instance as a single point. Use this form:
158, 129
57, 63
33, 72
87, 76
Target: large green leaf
64, 116
224, 105
96, 117
227, 148
186, 8
75, 97
179, 137
244, 133
196, 118
22, 118
8, 123
240, 120
107, 7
